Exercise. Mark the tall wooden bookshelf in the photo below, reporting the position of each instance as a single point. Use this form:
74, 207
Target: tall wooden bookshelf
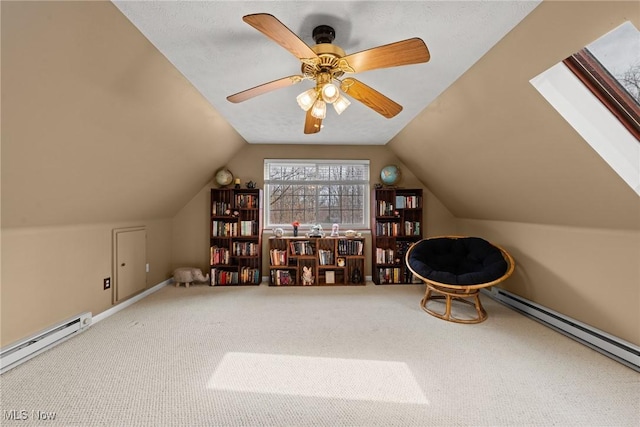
331, 260
236, 236
396, 225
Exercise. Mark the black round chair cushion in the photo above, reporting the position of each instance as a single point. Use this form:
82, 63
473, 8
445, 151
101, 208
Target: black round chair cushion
457, 261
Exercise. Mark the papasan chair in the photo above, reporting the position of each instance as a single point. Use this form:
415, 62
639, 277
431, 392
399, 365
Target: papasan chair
455, 268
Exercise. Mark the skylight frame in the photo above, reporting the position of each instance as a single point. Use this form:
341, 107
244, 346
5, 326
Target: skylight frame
606, 88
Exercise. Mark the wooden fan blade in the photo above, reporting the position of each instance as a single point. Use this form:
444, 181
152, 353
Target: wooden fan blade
311, 124
406, 52
264, 88
370, 97
279, 33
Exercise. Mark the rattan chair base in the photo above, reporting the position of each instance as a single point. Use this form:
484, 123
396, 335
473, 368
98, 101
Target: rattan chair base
463, 295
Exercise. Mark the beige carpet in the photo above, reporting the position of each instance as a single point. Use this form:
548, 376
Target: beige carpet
328, 356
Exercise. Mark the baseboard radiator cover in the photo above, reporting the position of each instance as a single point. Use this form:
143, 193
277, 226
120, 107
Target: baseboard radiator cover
23, 350
609, 345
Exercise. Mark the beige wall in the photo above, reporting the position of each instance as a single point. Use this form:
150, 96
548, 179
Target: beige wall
505, 163
98, 128
98, 131
52, 273
591, 275
191, 224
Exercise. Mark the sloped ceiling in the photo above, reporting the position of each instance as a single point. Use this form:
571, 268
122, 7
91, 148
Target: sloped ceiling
209, 43
97, 126
491, 147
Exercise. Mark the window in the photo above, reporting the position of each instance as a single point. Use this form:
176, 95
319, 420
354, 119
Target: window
592, 105
610, 68
317, 192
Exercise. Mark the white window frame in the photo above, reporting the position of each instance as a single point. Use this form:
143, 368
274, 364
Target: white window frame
317, 162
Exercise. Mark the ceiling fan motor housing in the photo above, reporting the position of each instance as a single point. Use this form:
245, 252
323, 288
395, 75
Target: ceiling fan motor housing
328, 54
323, 34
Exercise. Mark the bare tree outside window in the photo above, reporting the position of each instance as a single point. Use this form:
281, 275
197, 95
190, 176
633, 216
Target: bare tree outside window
630, 79
610, 68
313, 192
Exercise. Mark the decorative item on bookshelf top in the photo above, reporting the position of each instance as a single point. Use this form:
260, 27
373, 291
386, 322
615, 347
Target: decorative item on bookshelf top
223, 177
390, 175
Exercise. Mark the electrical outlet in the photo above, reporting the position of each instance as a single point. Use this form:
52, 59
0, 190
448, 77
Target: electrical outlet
107, 283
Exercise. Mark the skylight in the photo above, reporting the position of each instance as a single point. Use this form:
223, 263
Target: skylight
596, 90
619, 52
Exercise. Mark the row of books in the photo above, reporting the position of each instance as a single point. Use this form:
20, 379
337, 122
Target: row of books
350, 247
385, 208
396, 275
408, 202
250, 275
387, 228
390, 275
219, 255
282, 277
224, 229
248, 228
220, 208
245, 249
411, 228
278, 257
301, 247
246, 201
326, 257
385, 256
245, 275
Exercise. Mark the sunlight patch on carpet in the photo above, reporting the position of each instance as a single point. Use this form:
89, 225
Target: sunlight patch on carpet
335, 378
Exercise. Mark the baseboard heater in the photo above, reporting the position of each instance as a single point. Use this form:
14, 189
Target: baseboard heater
613, 347
23, 350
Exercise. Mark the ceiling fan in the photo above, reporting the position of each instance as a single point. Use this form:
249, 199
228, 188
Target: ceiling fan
325, 63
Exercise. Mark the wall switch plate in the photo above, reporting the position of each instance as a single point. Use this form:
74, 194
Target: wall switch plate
147, 267
107, 283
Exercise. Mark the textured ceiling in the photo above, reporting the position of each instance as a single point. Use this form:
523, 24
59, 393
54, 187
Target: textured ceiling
220, 54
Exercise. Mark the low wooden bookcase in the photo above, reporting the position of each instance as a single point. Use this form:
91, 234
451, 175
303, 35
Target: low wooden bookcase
331, 260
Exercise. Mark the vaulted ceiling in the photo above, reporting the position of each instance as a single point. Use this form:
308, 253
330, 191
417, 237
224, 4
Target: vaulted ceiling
219, 54
102, 124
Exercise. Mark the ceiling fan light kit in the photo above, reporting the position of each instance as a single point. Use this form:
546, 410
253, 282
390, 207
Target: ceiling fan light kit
319, 109
307, 98
330, 93
325, 63
341, 104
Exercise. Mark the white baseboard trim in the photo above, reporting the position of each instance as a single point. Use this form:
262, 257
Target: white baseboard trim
607, 344
116, 308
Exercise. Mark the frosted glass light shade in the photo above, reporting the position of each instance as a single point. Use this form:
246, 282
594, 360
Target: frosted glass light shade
330, 93
341, 104
319, 109
307, 98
